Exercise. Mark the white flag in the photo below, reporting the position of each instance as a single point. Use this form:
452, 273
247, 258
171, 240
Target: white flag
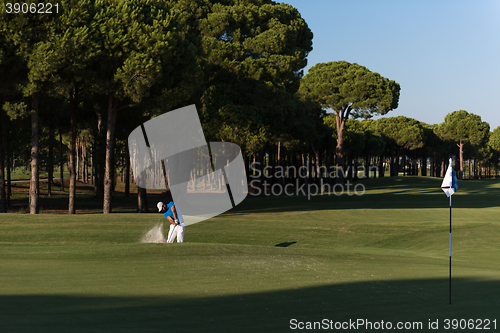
450, 181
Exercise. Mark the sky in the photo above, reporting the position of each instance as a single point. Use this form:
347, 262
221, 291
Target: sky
445, 54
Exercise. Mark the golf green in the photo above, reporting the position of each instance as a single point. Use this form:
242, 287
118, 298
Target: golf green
272, 264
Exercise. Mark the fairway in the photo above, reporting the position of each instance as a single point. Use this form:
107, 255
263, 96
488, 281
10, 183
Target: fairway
382, 256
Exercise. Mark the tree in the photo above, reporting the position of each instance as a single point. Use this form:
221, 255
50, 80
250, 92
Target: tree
431, 149
349, 90
494, 141
494, 144
354, 140
463, 127
142, 46
253, 55
312, 131
3, 144
26, 32
13, 70
374, 144
403, 133
64, 57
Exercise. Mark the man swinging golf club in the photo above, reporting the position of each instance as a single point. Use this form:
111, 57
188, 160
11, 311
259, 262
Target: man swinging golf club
174, 216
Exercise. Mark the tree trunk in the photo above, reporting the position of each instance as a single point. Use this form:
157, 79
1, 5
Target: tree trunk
3, 198
443, 167
308, 169
110, 135
393, 164
122, 165
262, 159
403, 158
9, 163
272, 166
127, 174
350, 166
367, 167
35, 146
461, 146
61, 161
409, 164
99, 157
113, 176
319, 176
435, 160
92, 151
470, 168
356, 165
50, 162
423, 170
328, 162
142, 200
78, 159
381, 171
278, 164
399, 152
339, 150
72, 150
246, 161
303, 168
85, 161
415, 163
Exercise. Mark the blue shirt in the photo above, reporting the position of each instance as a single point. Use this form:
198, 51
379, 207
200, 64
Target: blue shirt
169, 210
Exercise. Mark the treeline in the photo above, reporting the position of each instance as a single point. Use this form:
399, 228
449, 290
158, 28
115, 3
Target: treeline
104, 67
389, 146
76, 82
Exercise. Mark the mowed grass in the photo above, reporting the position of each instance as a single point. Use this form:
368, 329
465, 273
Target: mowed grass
379, 256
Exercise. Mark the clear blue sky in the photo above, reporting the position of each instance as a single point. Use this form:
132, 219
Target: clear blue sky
445, 54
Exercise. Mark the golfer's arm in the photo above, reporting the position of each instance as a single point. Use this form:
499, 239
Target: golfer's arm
171, 220
174, 212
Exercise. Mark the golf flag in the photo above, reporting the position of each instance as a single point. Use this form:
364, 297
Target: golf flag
450, 186
450, 181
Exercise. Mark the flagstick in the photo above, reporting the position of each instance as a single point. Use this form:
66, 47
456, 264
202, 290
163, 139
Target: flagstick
450, 186
450, 249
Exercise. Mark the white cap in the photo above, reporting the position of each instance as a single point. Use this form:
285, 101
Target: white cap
160, 206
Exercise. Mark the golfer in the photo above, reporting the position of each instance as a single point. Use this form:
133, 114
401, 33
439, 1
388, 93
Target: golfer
174, 216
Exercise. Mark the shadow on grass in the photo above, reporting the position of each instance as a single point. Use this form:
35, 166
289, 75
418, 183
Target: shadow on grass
285, 244
391, 301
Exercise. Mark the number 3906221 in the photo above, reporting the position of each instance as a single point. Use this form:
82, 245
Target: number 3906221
31, 8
